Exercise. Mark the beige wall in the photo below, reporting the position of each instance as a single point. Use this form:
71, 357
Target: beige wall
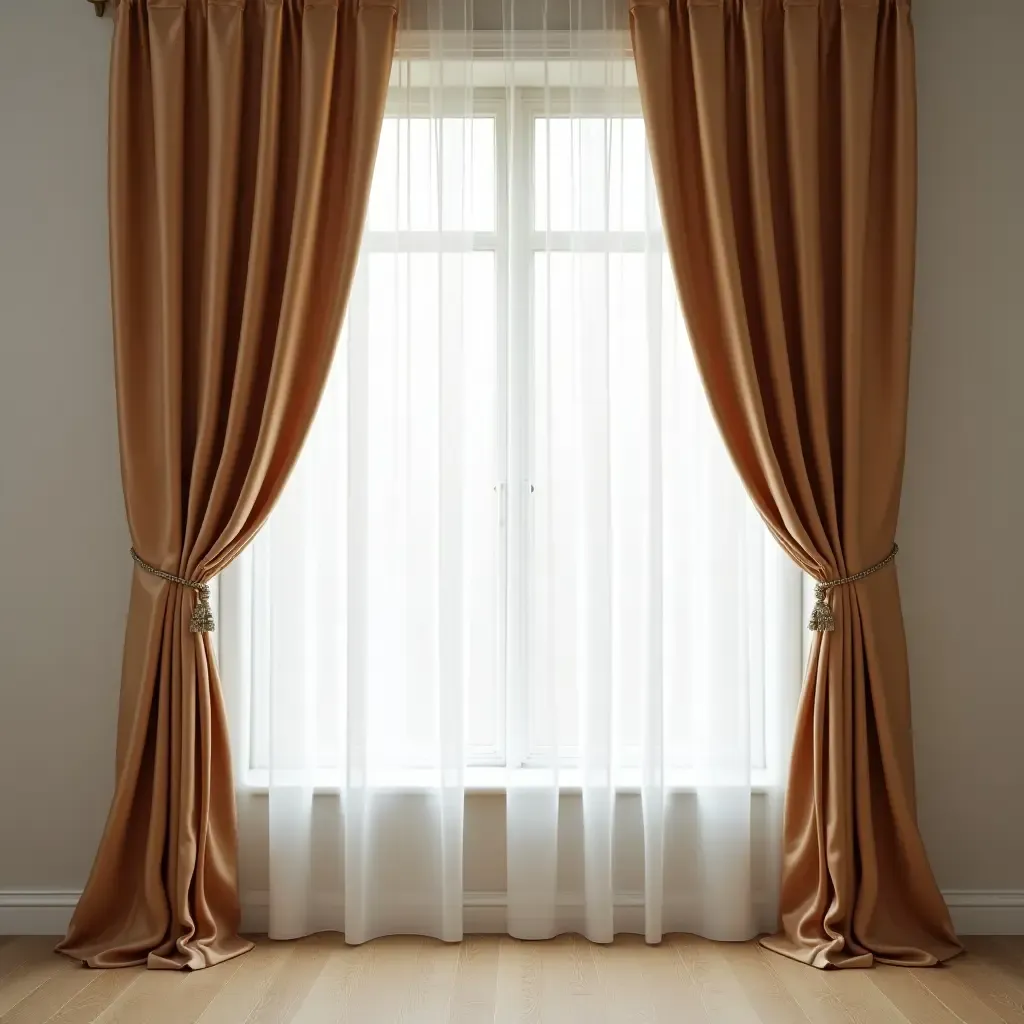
63, 538
961, 550
64, 566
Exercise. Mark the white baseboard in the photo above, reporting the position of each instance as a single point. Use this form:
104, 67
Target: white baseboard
986, 911
47, 912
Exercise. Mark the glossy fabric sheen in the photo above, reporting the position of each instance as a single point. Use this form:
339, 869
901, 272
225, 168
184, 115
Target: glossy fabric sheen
242, 140
783, 135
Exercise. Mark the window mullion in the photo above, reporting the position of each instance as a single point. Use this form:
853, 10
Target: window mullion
502, 251
520, 347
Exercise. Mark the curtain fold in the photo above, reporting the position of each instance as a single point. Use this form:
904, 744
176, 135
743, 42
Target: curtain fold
242, 139
783, 139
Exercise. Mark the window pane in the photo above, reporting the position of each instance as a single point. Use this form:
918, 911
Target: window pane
409, 193
408, 429
589, 174
432, 426
589, 308
716, 550
616, 398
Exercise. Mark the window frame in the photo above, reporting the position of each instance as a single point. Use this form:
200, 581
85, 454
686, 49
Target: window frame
515, 241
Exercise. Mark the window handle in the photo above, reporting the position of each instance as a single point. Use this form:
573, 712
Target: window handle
499, 489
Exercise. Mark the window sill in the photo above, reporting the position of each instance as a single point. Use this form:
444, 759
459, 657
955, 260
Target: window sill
480, 781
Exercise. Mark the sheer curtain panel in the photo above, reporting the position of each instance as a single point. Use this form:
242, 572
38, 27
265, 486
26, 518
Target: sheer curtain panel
514, 556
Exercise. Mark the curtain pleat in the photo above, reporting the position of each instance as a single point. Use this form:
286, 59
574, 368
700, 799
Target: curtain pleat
242, 138
783, 140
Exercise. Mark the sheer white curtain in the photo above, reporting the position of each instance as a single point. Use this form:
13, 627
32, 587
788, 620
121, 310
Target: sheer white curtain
514, 555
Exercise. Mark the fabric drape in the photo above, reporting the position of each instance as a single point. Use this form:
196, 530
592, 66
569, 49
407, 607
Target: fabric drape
783, 139
242, 138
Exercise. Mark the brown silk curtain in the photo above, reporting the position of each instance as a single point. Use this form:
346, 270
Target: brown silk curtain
784, 148
242, 142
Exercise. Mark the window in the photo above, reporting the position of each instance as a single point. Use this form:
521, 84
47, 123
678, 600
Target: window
513, 486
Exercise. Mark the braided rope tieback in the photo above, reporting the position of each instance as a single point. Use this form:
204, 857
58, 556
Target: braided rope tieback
202, 615
822, 620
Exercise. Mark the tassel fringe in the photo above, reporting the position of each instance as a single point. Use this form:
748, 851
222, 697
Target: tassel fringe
201, 620
202, 614
822, 620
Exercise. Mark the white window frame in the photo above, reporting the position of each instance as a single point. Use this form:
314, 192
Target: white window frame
514, 242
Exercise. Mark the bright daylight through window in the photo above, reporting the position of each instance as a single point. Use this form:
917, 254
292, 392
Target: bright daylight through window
514, 531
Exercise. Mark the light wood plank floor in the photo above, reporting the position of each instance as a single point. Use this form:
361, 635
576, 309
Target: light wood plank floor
498, 980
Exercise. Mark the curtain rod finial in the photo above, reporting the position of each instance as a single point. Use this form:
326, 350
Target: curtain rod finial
99, 6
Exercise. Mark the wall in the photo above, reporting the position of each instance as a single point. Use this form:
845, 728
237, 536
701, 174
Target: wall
963, 498
64, 566
64, 544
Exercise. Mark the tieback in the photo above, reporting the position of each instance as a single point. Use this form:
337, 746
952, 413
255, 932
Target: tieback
822, 620
202, 614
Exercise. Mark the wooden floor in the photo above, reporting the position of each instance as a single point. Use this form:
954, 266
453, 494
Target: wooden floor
684, 981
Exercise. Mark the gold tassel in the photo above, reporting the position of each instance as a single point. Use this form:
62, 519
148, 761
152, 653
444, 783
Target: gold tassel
202, 614
821, 615
822, 620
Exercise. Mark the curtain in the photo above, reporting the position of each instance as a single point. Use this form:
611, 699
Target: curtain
783, 142
514, 555
241, 145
